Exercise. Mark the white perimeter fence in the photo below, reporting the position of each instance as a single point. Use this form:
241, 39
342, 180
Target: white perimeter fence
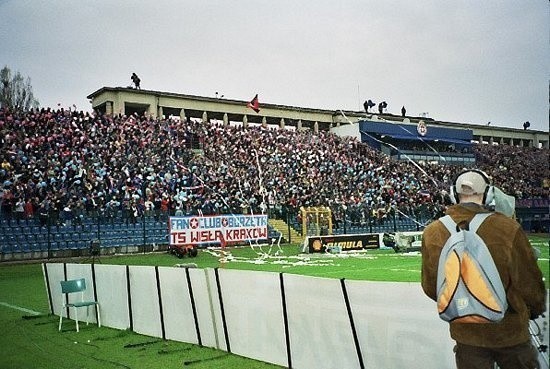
290, 320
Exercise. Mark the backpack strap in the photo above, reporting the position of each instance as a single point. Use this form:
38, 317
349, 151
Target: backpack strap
477, 220
474, 224
449, 223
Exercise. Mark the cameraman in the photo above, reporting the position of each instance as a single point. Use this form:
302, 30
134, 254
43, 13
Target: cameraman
480, 345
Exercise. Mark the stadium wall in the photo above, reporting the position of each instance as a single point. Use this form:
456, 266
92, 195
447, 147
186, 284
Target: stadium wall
289, 320
124, 100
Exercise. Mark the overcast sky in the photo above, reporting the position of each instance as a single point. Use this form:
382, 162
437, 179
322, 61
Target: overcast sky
461, 61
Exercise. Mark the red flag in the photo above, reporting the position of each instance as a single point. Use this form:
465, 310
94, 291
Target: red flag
254, 104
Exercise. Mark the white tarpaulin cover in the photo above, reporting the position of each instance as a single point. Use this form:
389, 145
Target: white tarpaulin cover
330, 323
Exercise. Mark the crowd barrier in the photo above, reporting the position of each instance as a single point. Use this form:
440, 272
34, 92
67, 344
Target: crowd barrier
289, 320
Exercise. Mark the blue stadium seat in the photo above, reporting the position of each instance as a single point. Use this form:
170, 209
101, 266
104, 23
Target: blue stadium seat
87, 237
161, 238
108, 242
82, 244
58, 237
72, 245
122, 224
25, 247
44, 230
32, 238
124, 241
68, 236
22, 222
16, 248
5, 248
107, 226
62, 245
10, 230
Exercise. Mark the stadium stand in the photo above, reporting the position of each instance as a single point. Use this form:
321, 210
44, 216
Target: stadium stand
84, 176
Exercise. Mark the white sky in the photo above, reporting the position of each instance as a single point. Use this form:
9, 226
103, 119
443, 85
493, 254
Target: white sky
462, 61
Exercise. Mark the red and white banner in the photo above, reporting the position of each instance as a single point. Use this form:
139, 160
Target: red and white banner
220, 228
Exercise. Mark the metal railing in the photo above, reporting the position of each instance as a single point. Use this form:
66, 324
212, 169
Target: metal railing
121, 232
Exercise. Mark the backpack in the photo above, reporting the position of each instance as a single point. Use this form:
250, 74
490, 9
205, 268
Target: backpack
469, 288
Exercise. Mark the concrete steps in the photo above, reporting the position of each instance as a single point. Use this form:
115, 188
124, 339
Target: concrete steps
281, 226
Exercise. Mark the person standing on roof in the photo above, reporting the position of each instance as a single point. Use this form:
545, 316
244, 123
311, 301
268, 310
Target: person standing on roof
136, 81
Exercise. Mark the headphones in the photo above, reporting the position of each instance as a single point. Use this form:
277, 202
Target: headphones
488, 194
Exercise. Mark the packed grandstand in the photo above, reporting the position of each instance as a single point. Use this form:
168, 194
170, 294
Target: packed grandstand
59, 166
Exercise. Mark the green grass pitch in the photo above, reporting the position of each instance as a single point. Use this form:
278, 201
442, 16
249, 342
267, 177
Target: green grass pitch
30, 339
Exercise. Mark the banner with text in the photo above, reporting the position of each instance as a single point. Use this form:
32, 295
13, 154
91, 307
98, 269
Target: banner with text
220, 228
350, 242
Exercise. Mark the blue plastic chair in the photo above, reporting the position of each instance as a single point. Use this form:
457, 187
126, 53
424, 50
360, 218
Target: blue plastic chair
77, 286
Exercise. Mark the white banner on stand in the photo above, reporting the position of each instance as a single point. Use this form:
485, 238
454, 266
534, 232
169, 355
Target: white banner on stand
179, 320
112, 294
320, 331
55, 273
252, 304
145, 301
398, 326
208, 311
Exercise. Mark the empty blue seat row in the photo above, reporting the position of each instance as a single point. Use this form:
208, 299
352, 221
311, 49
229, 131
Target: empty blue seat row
17, 222
15, 247
133, 241
27, 238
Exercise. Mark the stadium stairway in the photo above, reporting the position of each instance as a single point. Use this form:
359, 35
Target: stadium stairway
282, 227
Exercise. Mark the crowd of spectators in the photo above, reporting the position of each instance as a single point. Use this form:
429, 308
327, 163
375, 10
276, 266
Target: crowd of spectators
518, 171
64, 164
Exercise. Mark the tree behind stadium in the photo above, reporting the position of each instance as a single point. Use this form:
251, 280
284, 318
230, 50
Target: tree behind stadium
16, 91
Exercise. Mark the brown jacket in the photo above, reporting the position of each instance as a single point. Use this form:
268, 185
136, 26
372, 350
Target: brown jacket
518, 269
